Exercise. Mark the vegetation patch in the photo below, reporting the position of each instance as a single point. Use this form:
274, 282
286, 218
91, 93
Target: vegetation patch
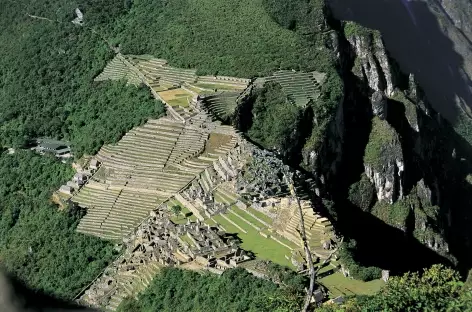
383, 145
410, 108
232, 38
275, 120
338, 285
263, 248
46, 78
38, 243
362, 193
352, 29
260, 215
393, 214
436, 289
235, 290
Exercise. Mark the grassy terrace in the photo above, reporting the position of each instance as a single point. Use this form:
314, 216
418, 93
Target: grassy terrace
217, 86
247, 216
210, 222
263, 248
260, 215
186, 239
284, 240
176, 97
215, 141
339, 285
184, 215
197, 90
221, 198
181, 101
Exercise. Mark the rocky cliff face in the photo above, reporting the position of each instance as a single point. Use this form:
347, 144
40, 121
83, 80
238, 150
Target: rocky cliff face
372, 63
400, 147
458, 12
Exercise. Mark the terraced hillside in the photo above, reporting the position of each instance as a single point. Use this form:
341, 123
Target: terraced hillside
116, 69
158, 74
149, 165
299, 87
222, 104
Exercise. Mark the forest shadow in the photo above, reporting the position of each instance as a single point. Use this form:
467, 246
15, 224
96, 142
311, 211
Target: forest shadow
378, 244
413, 37
18, 297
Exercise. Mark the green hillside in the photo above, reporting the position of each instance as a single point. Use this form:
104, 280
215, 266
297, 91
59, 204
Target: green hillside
38, 243
229, 37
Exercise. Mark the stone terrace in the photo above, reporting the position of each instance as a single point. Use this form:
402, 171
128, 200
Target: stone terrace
146, 167
223, 104
116, 69
159, 242
319, 230
299, 86
157, 72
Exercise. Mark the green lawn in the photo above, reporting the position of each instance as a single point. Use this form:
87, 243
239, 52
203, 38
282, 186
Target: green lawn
339, 285
210, 222
285, 241
221, 197
260, 215
247, 216
187, 239
263, 248
180, 101
216, 86
199, 91
184, 215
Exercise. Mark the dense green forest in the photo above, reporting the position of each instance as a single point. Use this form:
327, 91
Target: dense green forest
237, 38
436, 289
38, 243
235, 290
275, 119
46, 80
47, 64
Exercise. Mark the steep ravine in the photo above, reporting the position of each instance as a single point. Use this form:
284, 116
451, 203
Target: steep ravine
390, 170
401, 189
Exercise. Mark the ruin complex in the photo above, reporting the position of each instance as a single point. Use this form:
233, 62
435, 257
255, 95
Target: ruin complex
190, 160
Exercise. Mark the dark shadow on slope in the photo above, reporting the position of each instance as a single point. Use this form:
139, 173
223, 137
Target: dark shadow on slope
397, 119
414, 38
446, 164
381, 245
17, 297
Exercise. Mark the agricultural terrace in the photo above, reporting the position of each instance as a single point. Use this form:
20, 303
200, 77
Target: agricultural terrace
299, 87
222, 104
249, 228
145, 168
176, 97
116, 69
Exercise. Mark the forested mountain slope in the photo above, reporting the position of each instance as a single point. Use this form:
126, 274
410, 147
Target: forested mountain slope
393, 174
47, 69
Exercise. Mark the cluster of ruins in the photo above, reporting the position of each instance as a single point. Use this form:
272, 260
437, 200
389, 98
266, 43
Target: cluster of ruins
189, 159
160, 242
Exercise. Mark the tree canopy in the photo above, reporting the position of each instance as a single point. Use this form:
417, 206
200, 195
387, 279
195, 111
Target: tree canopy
46, 79
235, 290
275, 119
436, 289
38, 243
